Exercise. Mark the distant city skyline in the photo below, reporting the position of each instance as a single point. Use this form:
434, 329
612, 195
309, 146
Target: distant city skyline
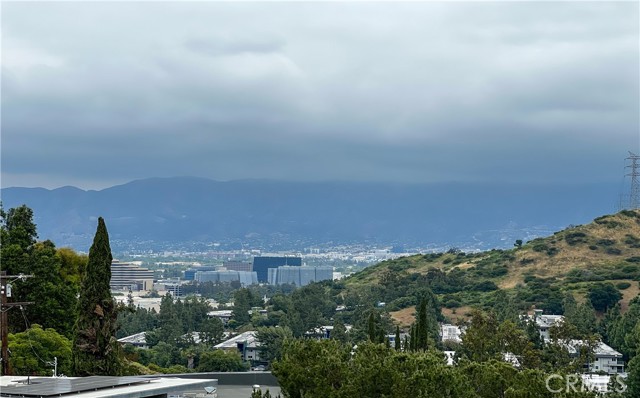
101, 93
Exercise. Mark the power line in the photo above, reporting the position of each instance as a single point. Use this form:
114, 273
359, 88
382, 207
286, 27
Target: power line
634, 192
4, 318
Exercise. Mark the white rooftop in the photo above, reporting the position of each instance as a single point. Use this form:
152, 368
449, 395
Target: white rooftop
155, 387
249, 338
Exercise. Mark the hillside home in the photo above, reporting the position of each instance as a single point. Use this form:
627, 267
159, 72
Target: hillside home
246, 343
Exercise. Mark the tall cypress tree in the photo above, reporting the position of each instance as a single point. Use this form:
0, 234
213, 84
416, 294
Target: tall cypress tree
95, 348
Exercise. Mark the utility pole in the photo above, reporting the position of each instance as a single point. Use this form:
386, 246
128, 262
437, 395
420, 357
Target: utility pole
4, 317
634, 194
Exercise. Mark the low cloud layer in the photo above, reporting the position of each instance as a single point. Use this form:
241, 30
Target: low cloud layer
99, 93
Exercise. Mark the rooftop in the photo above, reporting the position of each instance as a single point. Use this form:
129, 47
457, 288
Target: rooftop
249, 338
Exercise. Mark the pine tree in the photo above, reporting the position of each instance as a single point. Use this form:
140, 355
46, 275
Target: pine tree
95, 348
397, 339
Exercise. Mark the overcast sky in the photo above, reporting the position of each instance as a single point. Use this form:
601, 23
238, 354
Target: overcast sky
95, 94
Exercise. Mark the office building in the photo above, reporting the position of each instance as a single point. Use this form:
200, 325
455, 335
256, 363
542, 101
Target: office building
299, 276
261, 265
129, 276
238, 266
190, 274
245, 278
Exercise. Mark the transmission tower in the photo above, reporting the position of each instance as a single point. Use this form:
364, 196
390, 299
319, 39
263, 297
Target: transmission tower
634, 194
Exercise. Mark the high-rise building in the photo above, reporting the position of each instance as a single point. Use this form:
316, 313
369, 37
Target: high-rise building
245, 278
190, 274
129, 276
238, 266
261, 265
299, 276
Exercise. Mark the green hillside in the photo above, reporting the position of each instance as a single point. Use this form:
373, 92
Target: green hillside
536, 273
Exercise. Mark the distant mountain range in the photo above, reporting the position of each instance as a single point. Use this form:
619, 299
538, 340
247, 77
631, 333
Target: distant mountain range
292, 215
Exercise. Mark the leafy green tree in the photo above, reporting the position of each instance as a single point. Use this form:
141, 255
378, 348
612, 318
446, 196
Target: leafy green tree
481, 341
339, 331
241, 306
212, 331
32, 350
221, 361
54, 298
623, 328
95, 348
582, 316
170, 327
312, 368
396, 341
18, 229
633, 367
271, 341
604, 296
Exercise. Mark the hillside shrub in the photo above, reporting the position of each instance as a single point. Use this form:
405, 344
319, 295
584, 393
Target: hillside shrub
623, 285
634, 259
630, 213
452, 303
540, 247
605, 242
613, 251
574, 238
593, 247
604, 296
485, 286
632, 241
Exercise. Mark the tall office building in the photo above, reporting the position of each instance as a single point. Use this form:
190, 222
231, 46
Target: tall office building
261, 265
128, 276
299, 276
238, 266
190, 274
245, 278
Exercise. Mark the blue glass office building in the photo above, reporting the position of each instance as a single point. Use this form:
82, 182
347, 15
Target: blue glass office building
261, 265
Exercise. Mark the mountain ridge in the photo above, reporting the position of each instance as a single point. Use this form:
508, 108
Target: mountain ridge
183, 209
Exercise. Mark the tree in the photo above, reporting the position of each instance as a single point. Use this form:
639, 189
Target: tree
211, 331
241, 306
339, 331
481, 341
33, 349
221, 361
54, 297
95, 348
397, 339
271, 340
20, 228
604, 296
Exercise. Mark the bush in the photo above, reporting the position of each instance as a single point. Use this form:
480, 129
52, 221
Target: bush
632, 241
452, 304
540, 247
623, 285
486, 286
605, 242
573, 238
613, 251
604, 296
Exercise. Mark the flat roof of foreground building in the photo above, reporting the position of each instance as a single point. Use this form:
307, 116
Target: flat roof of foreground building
99, 386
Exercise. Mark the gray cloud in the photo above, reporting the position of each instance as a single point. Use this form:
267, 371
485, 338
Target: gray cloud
104, 92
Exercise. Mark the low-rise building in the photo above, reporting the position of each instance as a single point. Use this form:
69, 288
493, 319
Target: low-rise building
246, 343
223, 315
450, 332
544, 322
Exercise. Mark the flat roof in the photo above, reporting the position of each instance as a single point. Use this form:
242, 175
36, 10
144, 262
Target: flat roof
98, 386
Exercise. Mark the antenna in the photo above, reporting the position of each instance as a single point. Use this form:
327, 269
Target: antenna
634, 194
